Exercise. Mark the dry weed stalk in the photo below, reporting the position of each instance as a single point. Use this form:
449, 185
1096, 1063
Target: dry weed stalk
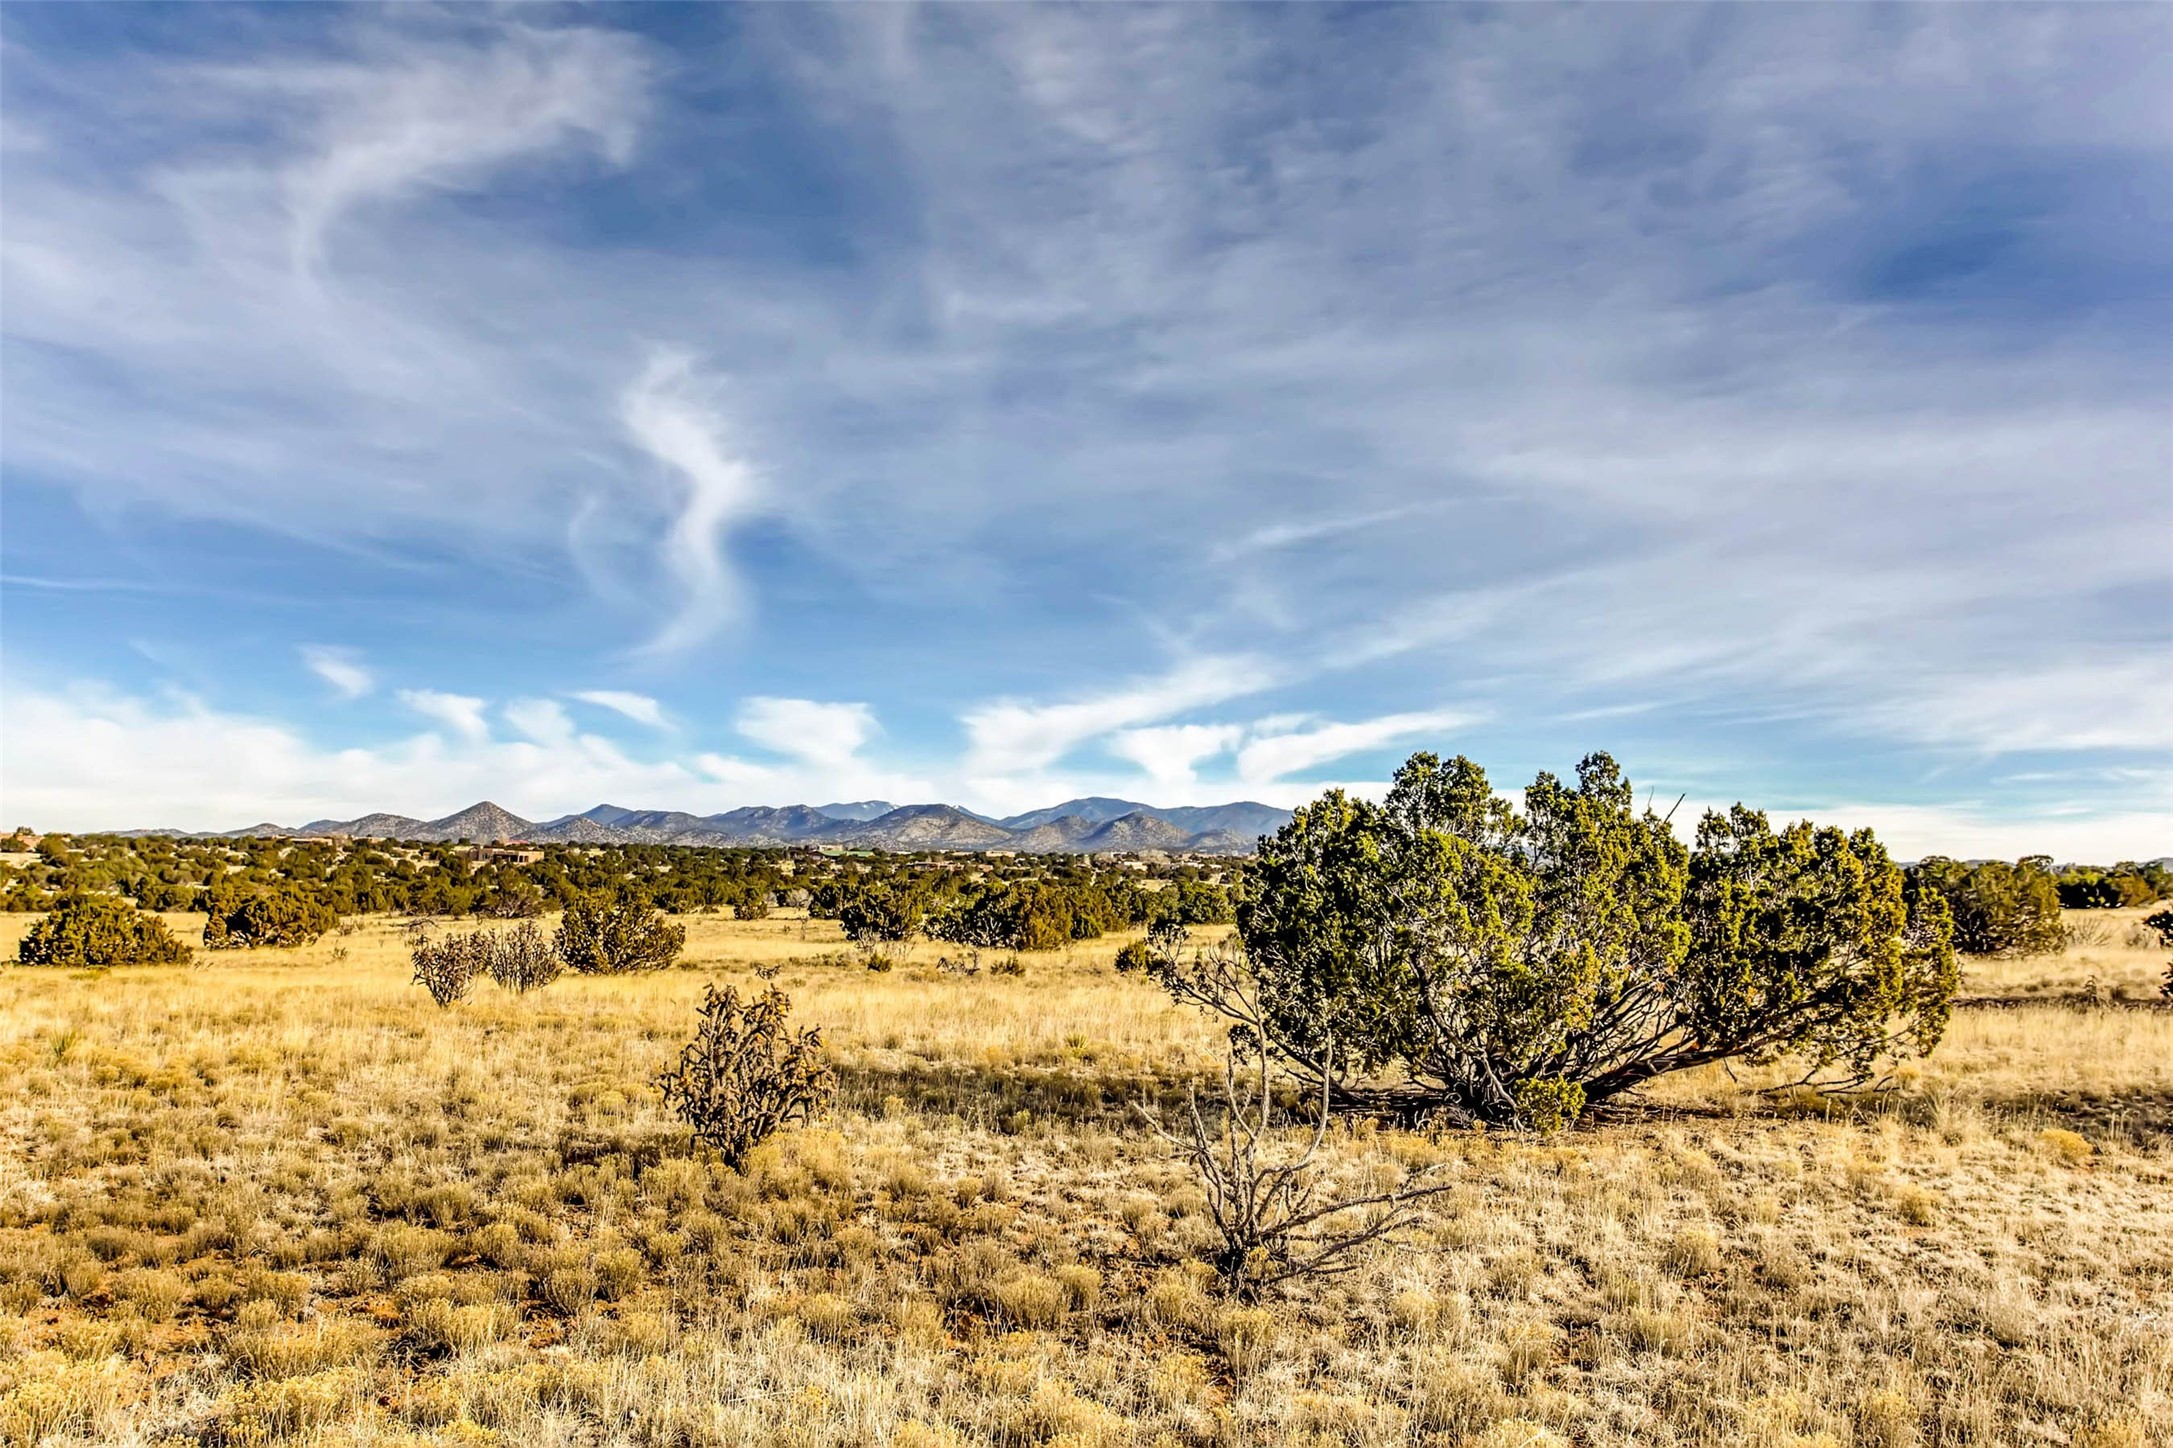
1275, 1220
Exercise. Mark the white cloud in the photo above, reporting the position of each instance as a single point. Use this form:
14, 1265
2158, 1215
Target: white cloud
1008, 736
2083, 704
1272, 756
542, 720
638, 707
461, 713
89, 757
673, 417
1289, 535
444, 116
1171, 753
340, 668
818, 733
1972, 832
727, 770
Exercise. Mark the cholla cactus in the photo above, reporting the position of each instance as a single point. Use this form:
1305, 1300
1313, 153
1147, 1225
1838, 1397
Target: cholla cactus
746, 1073
447, 968
522, 960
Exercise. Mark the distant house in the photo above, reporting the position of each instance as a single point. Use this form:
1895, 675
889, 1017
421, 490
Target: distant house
513, 853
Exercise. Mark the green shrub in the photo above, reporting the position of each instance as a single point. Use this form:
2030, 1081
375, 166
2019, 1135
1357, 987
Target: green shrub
881, 911
1999, 909
1517, 967
608, 937
100, 930
284, 916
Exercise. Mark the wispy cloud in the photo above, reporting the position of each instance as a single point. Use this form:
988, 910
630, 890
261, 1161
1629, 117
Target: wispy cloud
445, 116
1010, 735
1273, 756
638, 707
340, 668
673, 416
1287, 535
461, 713
806, 729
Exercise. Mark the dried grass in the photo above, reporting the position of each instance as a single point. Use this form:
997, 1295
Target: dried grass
282, 1198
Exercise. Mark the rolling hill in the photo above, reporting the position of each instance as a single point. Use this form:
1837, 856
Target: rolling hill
1081, 825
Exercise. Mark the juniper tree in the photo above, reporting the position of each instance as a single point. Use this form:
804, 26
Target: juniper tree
97, 931
1445, 952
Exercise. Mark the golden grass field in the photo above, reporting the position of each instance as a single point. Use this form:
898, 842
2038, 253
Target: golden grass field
281, 1197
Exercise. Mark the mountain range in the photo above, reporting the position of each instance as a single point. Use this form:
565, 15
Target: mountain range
1078, 826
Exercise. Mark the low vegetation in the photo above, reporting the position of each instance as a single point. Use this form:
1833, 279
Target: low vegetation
242, 919
283, 1198
97, 932
277, 1196
893, 895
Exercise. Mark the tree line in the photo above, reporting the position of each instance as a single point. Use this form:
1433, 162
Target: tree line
286, 892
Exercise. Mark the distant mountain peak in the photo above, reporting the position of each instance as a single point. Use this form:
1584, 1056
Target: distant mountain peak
1092, 824
862, 810
483, 822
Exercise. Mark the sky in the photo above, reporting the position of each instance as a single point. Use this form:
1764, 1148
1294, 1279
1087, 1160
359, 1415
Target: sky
698, 406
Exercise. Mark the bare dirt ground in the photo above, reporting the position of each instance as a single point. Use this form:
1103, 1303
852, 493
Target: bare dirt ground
281, 1197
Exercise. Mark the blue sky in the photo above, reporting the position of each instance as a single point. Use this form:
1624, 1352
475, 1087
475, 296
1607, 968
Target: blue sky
699, 406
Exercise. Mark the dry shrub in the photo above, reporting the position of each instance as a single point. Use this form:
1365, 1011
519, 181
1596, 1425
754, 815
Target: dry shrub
264, 1346
1459, 1401
1271, 1211
1518, 1433
1177, 1297
746, 1073
1082, 1285
261, 1412
2071, 1147
518, 960
568, 1290
399, 1250
57, 1398
826, 1315
917, 1320
1032, 1300
1693, 1252
1246, 1336
154, 1292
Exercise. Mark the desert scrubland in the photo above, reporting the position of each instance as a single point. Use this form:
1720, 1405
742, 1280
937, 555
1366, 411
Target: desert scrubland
280, 1196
